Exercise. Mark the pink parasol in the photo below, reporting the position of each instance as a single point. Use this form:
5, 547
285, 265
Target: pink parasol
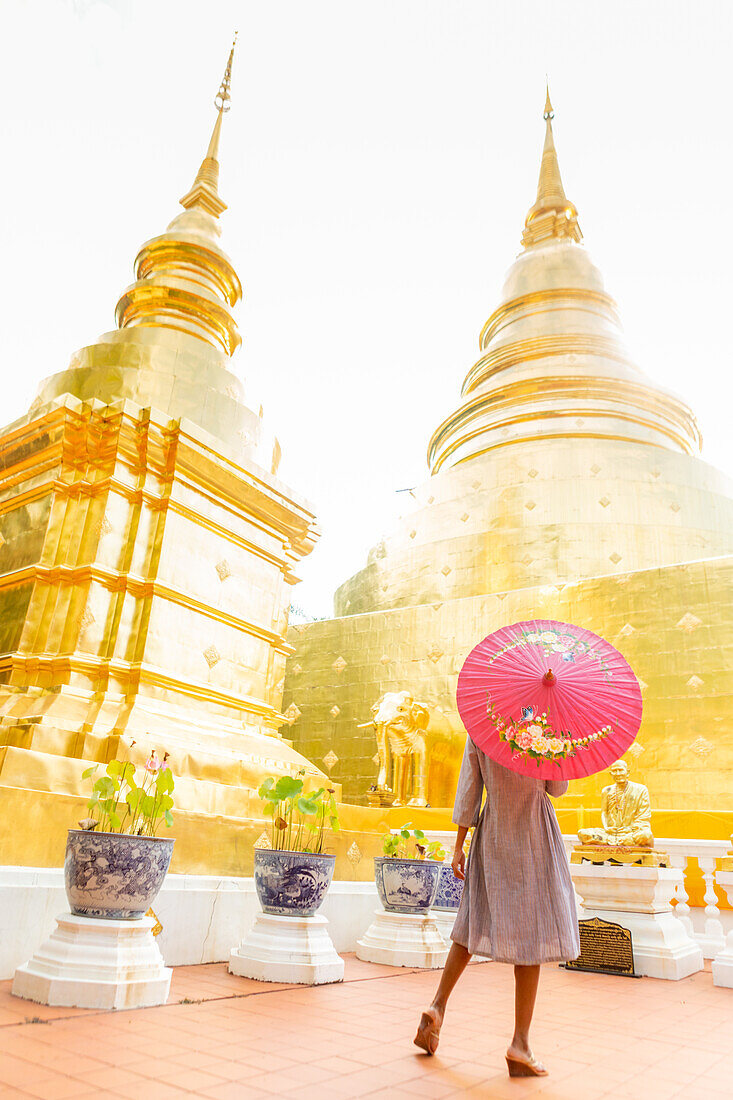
549, 700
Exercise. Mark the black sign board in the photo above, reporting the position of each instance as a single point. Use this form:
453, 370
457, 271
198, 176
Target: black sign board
605, 948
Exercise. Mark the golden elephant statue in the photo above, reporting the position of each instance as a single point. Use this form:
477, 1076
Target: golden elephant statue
399, 722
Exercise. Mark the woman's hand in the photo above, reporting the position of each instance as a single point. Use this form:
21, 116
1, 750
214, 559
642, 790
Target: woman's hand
459, 863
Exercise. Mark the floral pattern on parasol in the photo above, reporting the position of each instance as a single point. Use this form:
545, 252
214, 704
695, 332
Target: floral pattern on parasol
549, 699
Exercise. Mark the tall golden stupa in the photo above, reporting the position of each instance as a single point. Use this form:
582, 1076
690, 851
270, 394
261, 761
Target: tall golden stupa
147, 557
566, 485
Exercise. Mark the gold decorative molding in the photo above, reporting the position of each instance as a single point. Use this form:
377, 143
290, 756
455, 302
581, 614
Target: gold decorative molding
129, 676
113, 580
542, 301
560, 391
543, 347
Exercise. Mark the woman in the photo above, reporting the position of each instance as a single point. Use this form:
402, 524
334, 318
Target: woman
518, 903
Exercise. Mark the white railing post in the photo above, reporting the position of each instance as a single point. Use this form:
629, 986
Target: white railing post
723, 963
682, 908
712, 940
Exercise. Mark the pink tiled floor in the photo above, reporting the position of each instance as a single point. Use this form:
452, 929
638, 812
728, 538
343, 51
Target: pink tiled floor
226, 1037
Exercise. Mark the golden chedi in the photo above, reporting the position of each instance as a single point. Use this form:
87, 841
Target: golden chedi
147, 556
565, 485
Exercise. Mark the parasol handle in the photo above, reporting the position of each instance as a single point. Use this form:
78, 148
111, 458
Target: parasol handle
549, 678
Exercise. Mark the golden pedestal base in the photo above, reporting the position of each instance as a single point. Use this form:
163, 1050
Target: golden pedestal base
379, 797
622, 853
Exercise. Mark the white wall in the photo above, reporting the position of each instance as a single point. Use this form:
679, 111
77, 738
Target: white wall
203, 916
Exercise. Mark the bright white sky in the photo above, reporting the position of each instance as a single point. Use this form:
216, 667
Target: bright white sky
378, 161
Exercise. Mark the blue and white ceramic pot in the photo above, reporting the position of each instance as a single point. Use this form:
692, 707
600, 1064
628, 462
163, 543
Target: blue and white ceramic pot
113, 875
450, 890
292, 884
406, 885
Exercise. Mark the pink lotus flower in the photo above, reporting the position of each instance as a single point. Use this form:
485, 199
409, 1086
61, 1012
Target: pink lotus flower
152, 765
524, 739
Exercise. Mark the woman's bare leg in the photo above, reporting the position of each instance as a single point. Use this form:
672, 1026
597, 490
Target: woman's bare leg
458, 958
526, 980
432, 1020
457, 961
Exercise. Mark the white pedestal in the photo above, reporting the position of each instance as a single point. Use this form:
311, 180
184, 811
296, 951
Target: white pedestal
445, 919
638, 898
91, 963
403, 939
288, 949
723, 961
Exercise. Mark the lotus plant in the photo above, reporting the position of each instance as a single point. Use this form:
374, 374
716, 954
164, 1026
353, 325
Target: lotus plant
298, 819
406, 844
124, 802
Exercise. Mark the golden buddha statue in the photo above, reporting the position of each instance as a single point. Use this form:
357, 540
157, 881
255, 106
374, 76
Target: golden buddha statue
625, 812
626, 832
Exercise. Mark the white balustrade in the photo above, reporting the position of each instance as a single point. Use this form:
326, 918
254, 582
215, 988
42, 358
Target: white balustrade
708, 927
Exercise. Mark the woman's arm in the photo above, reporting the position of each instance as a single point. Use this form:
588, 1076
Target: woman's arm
469, 794
459, 856
470, 789
556, 787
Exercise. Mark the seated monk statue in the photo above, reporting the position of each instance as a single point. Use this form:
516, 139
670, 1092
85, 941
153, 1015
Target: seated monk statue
625, 811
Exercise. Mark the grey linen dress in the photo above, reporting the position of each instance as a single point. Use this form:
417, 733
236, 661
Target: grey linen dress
518, 903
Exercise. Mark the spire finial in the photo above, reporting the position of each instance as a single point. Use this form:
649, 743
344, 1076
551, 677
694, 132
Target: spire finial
552, 215
548, 114
222, 97
204, 192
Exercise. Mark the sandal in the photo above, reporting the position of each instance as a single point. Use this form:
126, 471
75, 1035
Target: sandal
428, 1032
529, 1067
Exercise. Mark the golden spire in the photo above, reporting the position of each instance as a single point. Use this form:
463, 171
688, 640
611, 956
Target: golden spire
204, 192
184, 280
552, 215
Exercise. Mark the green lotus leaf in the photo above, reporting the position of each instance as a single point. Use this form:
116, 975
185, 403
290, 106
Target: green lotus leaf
164, 781
267, 788
147, 805
288, 788
127, 774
